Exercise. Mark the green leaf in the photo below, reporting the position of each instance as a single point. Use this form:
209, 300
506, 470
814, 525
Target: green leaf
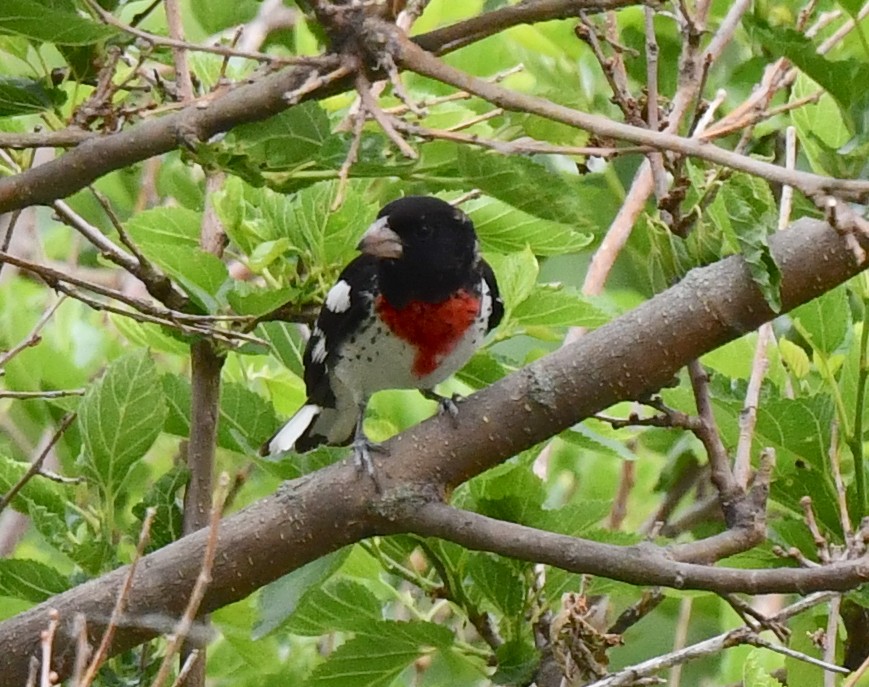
292, 138
175, 226
202, 275
825, 321
530, 187
215, 17
30, 580
37, 492
149, 335
26, 96
246, 419
280, 599
120, 416
338, 605
516, 274
836, 76
517, 661
286, 343
247, 299
163, 496
556, 306
504, 229
51, 25
500, 581
795, 358
482, 369
752, 218
364, 661
821, 129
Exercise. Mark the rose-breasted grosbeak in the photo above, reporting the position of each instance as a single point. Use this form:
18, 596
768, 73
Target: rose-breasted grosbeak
406, 314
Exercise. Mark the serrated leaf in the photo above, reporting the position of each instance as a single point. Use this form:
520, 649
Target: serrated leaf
280, 599
551, 305
338, 605
503, 228
246, 299
482, 369
500, 581
51, 25
246, 419
164, 497
821, 129
328, 236
286, 343
364, 661
795, 358
752, 218
173, 226
585, 437
37, 492
291, 138
266, 253
517, 661
825, 321
516, 274
530, 187
200, 274
27, 96
30, 580
149, 335
120, 416
837, 77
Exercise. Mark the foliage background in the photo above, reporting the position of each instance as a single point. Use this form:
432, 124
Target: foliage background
406, 610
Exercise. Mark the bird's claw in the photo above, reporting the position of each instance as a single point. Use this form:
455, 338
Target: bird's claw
362, 450
447, 405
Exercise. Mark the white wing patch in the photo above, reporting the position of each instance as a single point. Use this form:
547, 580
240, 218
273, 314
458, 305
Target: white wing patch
338, 298
318, 355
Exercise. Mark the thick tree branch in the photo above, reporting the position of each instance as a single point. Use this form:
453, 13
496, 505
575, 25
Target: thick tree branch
253, 102
628, 358
643, 564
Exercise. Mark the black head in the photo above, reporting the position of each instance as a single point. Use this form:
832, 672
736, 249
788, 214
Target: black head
427, 249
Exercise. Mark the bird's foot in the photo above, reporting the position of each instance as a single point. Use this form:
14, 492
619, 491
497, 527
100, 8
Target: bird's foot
447, 405
362, 450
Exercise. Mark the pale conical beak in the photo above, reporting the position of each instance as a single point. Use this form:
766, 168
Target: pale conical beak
380, 241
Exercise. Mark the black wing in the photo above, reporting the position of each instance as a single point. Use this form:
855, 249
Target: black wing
333, 328
497, 303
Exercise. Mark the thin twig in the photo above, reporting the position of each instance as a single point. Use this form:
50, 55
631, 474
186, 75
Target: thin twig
830, 640
349, 160
182, 628
36, 465
363, 87
655, 158
719, 462
154, 39
680, 637
102, 651
49, 394
46, 641
183, 82
33, 337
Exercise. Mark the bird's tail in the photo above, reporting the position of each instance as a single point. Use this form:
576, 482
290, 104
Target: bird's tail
297, 426
311, 426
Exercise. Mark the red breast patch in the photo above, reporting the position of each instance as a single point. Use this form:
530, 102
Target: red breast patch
433, 329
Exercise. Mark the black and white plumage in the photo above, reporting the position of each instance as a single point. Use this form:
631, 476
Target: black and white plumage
407, 313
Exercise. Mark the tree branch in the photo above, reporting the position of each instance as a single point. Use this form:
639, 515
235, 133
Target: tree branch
411, 57
323, 511
252, 102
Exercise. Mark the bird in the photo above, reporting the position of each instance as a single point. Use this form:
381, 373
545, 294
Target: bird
406, 313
